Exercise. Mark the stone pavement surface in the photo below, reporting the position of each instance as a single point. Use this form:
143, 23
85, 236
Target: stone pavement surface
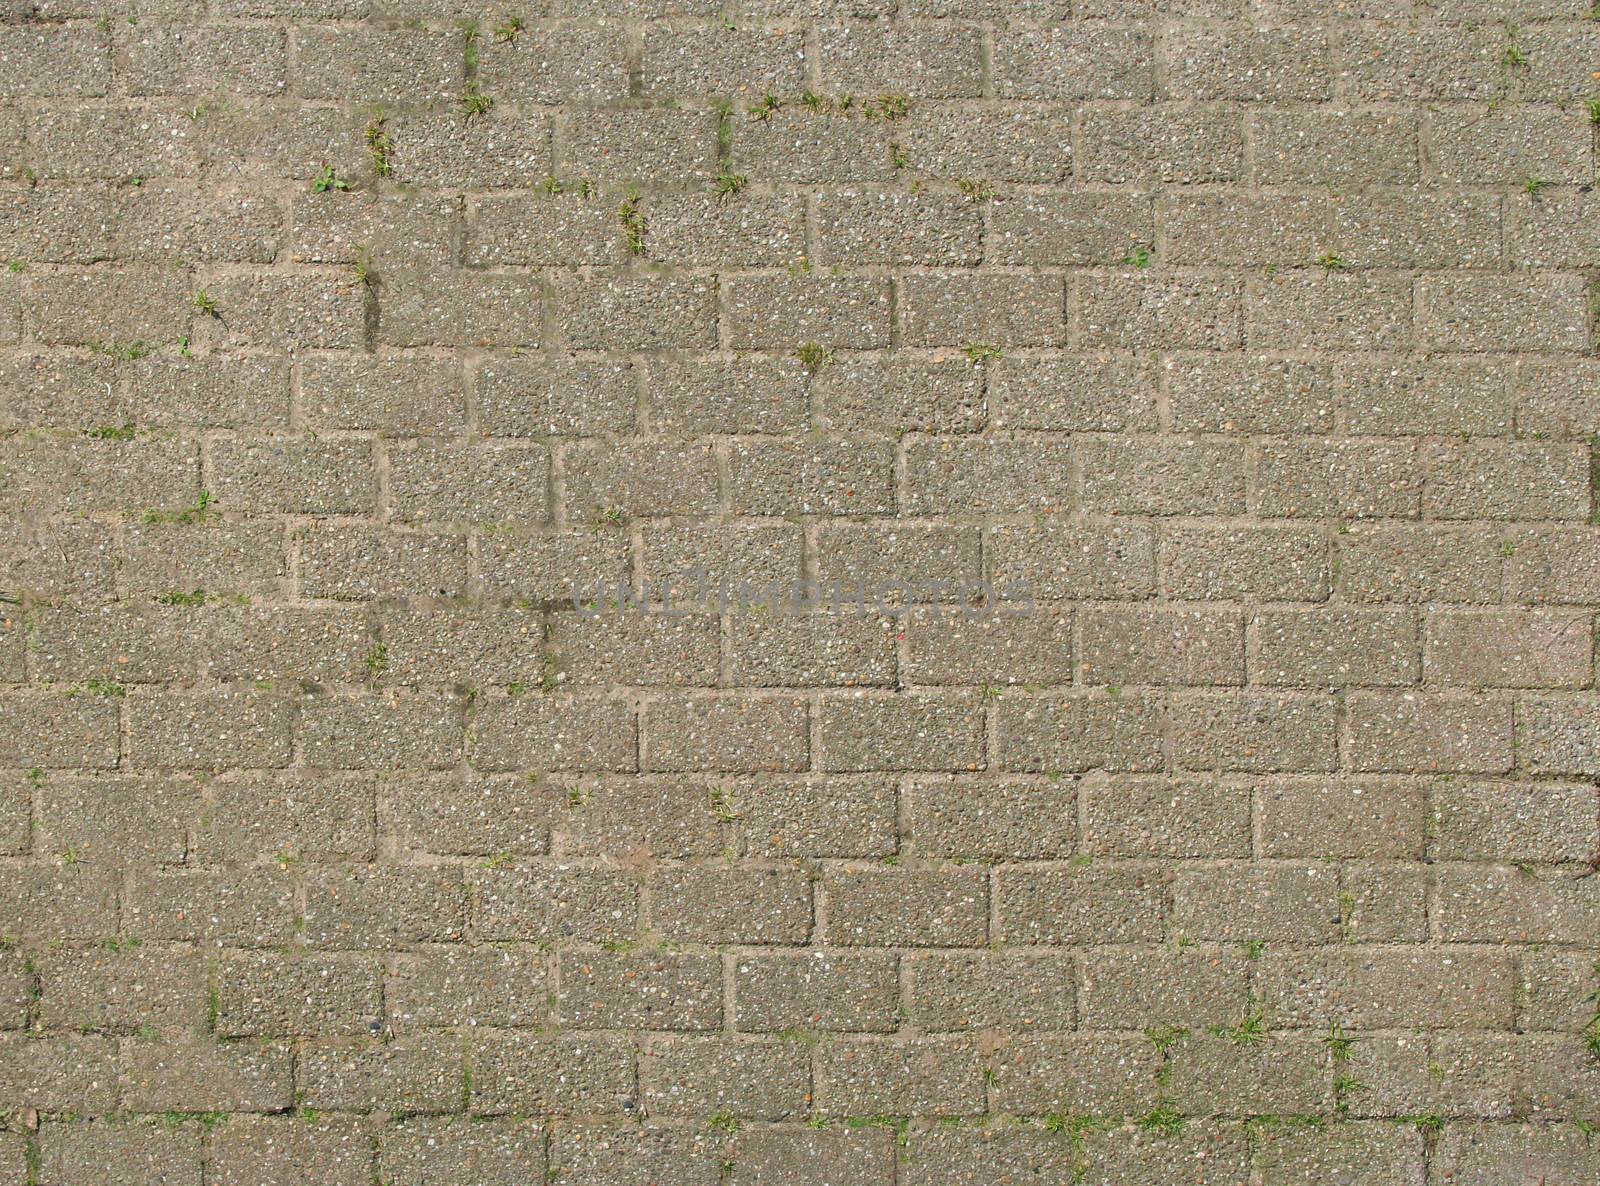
855, 592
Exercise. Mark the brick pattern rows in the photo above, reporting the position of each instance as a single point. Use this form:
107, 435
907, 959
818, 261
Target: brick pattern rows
1248, 346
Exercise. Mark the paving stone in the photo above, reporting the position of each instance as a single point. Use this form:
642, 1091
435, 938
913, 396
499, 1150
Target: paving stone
833, 991
542, 903
1058, 1075
365, 907
1340, 148
275, 994
1356, 817
1066, 905
776, 905
592, 1154
64, 1074
1012, 143
1074, 63
555, 64
925, 1076
448, 985
991, 991
640, 990
279, 1150
761, 1079
793, 1156
1132, 985
420, 1149
1138, 816
114, 1154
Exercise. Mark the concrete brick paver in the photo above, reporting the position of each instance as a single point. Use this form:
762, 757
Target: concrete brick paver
882, 593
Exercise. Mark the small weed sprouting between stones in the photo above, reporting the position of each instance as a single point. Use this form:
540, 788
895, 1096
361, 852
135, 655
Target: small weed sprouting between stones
1138, 256
124, 351
1345, 1087
813, 356
632, 221
377, 662
208, 107
975, 189
199, 513
1591, 1031
727, 182
723, 805
1534, 186
1164, 1119
326, 179
380, 145
889, 108
1347, 926
1256, 1126
723, 106
1593, 108
473, 102
1058, 1122
1252, 948
509, 29
1513, 55
1330, 262
205, 303
899, 1125
607, 517
1251, 1029
122, 432
192, 598
470, 29
978, 352
723, 1122
762, 111
365, 272
1429, 1124
1165, 1037
1338, 1042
